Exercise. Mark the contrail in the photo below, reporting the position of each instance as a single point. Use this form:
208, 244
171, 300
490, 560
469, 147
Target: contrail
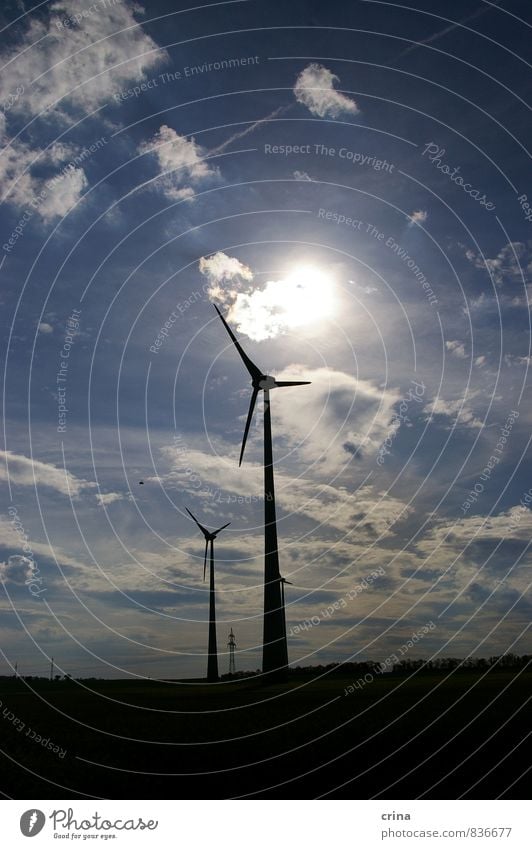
242, 133
448, 29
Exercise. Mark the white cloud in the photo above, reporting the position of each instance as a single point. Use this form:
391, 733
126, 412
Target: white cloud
10, 538
305, 296
326, 425
180, 162
80, 65
511, 271
363, 511
524, 300
22, 471
65, 192
59, 152
19, 185
336, 418
418, 217
458, 410
314, 88
44, 327
512, 360
302, 176
456, 348
226, 275
514, 523
16, 183
106, 498
262, 313
513, 263
367, 290
17, 569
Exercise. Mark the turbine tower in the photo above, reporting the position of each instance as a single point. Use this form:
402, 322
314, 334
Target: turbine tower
274, 649
212, 662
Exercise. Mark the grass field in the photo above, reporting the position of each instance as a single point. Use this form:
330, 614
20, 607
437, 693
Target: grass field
394, 738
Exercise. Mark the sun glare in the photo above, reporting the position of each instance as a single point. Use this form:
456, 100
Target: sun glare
308, 296
304, 297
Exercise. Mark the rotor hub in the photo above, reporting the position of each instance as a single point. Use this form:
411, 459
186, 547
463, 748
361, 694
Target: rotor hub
267, 382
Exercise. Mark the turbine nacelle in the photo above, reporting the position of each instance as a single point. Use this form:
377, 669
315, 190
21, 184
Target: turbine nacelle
259, 381
266, 382
210, 536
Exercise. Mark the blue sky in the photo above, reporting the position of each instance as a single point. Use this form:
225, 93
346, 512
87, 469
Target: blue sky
350, 183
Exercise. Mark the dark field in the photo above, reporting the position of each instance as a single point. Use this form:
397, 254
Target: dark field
395, 738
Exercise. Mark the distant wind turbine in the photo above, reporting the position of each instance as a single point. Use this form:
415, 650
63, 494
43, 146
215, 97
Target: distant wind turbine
212, 662
274, 650
282, 582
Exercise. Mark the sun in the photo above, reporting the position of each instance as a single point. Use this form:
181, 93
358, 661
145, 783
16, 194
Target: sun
307, 296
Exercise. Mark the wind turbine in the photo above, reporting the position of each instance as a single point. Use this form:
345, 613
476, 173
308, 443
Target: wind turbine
282, 582
274, 649
212, 662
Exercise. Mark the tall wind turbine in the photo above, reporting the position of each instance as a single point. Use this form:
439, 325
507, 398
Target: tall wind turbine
274, 649
212, 662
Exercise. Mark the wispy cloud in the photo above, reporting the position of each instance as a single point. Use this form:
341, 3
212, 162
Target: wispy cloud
302, 176
24, 471
418, 217
512, 264
456, 348
459, 410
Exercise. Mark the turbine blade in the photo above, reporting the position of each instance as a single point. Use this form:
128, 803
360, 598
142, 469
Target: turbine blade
292, 382
254, 371
205, 559
202, 529
221, 529
248, 423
